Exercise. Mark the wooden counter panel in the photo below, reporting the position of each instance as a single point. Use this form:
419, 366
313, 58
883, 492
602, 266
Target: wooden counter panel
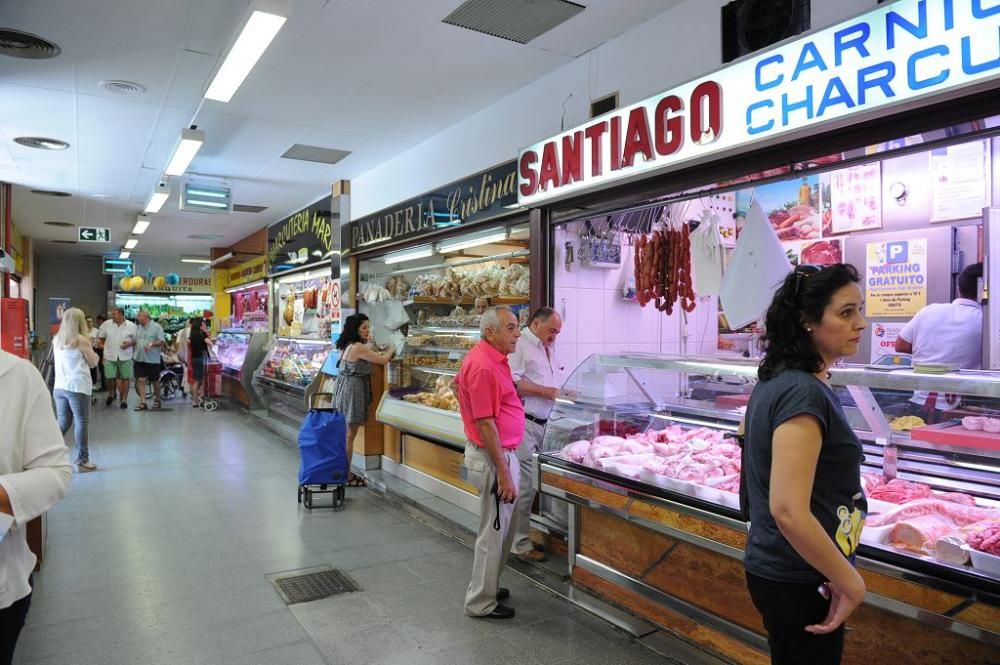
439, 461
876, 636
626, 547
702, 636
910, 593
716, 583
392, 446
984, 616
603, 497
711, 581
699, 527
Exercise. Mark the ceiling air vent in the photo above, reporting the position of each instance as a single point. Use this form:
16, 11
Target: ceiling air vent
205, 236
750, 25
312, 153
41, 143
62, 225
127, 88
65, 242
239, 207
49, 192
19, 44
516, 20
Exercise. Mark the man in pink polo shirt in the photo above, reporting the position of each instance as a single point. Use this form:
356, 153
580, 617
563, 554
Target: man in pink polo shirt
493, 417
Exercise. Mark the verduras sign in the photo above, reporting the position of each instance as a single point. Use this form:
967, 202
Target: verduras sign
901, 52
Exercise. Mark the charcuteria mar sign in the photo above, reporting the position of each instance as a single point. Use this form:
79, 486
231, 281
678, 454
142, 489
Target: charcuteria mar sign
906, 51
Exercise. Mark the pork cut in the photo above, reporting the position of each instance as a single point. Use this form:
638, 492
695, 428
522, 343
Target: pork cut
987, 539
958, 513
919, 534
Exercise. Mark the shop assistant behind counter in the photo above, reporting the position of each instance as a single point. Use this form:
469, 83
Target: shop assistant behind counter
947, 333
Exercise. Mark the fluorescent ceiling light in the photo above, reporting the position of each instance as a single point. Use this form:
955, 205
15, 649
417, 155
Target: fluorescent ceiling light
196, 260
141, 224
305, 276
484, 238
257, 34
131, 243
157, 199
187, 147
124, 255
244, 287
222, 259
421, 252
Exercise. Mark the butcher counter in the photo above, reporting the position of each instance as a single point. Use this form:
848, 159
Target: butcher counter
654, 524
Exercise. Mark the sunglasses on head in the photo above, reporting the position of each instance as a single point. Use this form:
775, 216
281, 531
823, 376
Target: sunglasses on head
803, 271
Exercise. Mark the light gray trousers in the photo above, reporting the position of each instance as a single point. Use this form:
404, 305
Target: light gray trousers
492, 545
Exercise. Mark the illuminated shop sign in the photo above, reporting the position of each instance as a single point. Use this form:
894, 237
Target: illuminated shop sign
909, 50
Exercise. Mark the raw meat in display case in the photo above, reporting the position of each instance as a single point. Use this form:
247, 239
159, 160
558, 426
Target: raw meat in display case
627, 421
231, 347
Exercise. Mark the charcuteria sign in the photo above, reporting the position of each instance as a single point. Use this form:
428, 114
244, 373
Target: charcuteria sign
909, 51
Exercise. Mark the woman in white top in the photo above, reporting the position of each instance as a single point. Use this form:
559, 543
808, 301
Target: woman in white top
74, 358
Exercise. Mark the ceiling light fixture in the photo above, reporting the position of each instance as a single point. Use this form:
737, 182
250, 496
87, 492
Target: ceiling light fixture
156, 200
484, 238
187, 147
131, 243
255, 37
141, 224
419, 252
222, 259
41, 143
192, 259
245, 287
124, 254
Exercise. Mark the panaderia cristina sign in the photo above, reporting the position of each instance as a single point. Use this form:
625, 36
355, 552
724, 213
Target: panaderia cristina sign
478, 197
301, 239
908, 51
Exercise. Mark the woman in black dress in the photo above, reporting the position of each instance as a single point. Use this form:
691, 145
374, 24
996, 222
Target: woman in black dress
199, 342
802, 469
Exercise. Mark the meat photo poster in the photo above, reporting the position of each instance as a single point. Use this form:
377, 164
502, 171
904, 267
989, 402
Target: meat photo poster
855, 198
791, 206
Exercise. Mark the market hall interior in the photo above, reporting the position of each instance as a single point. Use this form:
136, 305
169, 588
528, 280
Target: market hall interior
233, 193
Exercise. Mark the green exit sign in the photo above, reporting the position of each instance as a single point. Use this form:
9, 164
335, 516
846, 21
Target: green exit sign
93, 234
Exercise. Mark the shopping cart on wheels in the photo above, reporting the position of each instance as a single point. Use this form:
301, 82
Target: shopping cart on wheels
324, 467
212, 385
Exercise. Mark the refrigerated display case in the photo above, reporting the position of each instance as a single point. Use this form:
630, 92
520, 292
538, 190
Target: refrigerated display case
289, 366
240, 353
249, 307
420, 399
644, 452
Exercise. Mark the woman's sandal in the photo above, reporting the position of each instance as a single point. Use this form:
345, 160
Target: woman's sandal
157, 405
142, 407
356, 481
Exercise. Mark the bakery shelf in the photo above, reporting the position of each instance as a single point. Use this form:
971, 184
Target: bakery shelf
433, 370
494, 300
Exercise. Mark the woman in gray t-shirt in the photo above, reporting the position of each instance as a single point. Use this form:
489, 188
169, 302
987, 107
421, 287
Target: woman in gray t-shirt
802, 469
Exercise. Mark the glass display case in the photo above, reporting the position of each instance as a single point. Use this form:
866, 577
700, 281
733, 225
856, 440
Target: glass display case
665, 427
249, 307
420, 397
231, 346
293, 363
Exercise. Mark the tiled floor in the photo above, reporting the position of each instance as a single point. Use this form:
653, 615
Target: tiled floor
163, 555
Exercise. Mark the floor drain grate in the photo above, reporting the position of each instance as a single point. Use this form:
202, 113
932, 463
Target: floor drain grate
314, 586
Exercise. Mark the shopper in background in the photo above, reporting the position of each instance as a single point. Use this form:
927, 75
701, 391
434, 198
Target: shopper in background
802, 469
150, 341
493, 418
35, 474
118, 341
352, 394
74, 358
537, 375
198, 344
100, 381
946, 333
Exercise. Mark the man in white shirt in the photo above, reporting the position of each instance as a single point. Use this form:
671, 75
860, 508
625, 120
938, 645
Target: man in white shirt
537, 375
947, 333
118, 341
35, 474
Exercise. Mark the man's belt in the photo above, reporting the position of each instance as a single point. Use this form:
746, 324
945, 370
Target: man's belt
537, 421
